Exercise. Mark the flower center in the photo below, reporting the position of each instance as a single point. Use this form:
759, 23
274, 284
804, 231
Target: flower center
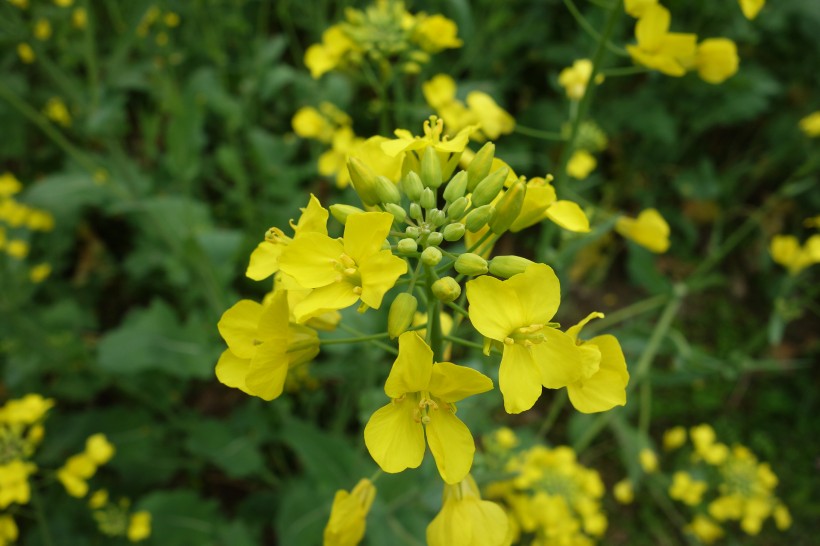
527, 335
348, 272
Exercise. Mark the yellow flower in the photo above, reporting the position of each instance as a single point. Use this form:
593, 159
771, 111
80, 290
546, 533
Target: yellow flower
347, 523
648, 460
63, 3
448, 150
264, 260
42, 29
98, 499
342, 272
686, 489
22, 4
75, 473
79, 18
57, 111
26, 410
782, 517
39, 273
17, 248
324, 57
636, 8
423, 394
99, 449
706, 530
659, 49
493, 120
574, 79
466, 520
14, 486
541, 203
751, 8
9, 185
435, 33
171, 19
716, 60
307, 122
810, 125
262, 345
581, 164
8, 530
602, 385
139, 526
623, 491
674, 438
649, 230
517, 313
26, 53
439, 91
786, 251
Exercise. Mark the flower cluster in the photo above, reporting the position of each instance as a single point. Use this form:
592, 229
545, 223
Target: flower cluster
117, 519
17, 221
42, 28
787, 251
82, 466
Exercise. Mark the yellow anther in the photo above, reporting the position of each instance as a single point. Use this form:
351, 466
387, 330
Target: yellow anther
347, 261
357, 290
509, 341
350, 271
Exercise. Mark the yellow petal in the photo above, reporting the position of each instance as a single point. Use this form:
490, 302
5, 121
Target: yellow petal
751, 8
606, 388
310, 259
365, 233
412, 369
338, 295
238, 327
268, 370
313, 220
379, 274
264, 261
652, 26
519, 379
574, 331
558, 358
649, 230
394, 438
451, 443
452, 383
538, 294
569, 216
540, 195
231, 370
438, 91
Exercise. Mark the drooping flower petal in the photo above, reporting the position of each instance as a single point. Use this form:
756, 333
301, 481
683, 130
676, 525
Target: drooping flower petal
379, 274
519, 379
569, 216
452, 383
264, 261
394, 438
607, 387
238, 327
451, 443
558, 359
231, 370
337, 295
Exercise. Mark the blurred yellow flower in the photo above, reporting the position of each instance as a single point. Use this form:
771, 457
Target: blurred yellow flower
26, 53
9, 185
686, 489
624, 492
8, 530
649, 230
751, 8
22, 4
324, 57
14, 486
674, 438
706, 530
17, 248
648, 460
436, 32
659, 49
139, 526
99, 449
42, 29
581, 164
636, 8
574, 79
810, 125
347, 523
716, 60
57, 111
481, 110
98, 499
171, 19
787, 251
79, 18
63, 3
39, 273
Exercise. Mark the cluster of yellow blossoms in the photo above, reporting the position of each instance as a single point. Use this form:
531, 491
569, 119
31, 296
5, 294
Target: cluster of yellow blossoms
16, 219
42, 29
787, 251
384, 33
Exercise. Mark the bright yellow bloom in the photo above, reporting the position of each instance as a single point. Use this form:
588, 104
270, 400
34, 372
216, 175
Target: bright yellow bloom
648, 460
324, 57
342, 272
636, 8
14, 486
686, 489
623, 491
439, 91
716, 60
581, 164
139, 526
39, 273
649, 230
42, 29
264, 260
574, 79
171, 19
435, 33
26, 53
602, 385
466, 520
57, 111
75, 473
17, 248
98, 499
782, 517
659, 49
423, 394
517, 312
810, 125
706, 530
307, 122
348, 515
786, 251
541, 203
674, 438
448, 150
9, 185
492, 120
751, 8
26, 410
79, 18
262, 345
8, 530
99, 449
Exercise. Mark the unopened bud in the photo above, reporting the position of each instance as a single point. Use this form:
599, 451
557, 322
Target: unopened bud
401, 314
415, 212
398, 213
456, 187
471, 264
407, 246
488, 189
430, 168
480, 166
453, 232
508, 207
478, 218
363, 179
507, 266
457, 208
411, 185
428, 199
387, 191
412, 231
446, 289
431, 256
341, 212
434, 239
436, 217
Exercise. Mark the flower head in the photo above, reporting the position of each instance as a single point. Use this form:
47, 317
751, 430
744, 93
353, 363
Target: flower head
466, 520
716, 60
346, 526
649, 230
659, 49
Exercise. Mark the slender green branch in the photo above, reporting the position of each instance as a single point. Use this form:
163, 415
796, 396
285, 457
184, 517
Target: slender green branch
658, 335
458, 309
624, 71
434, 333
357, 339
538, 133
42, 523
384, 346
464, 342
558, 403
588, 28
625, 313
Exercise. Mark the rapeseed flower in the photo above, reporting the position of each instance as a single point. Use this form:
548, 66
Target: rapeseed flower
435, 33
516, 313
14, 485
810, 125
467, 520
574, 79
716, 60
480, 111
636, 8
42, 29
348, 515
659, 49
57, 111
581, 164
542, 203
423, 395
26, 53
139, 526
751, 8
787, 251
649, 230
8, 530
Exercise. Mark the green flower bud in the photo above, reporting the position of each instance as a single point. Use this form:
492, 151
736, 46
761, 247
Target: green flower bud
431, 256
398, 213
415, 212
480, 166
412, 231
407, 246
507, 266
446, 289
478, 218
471, 264
430, 168
457, 208
436, 217
341, 212
454, 232
364, 180
434, 239
411, 186
401, 314
387, 190
428, 199
508, 207
456, 187
488, 189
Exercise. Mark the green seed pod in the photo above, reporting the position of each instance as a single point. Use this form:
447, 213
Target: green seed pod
471, 264
431, 256
508, 207
446, 289
401, 314
488, 189
454, 232
398, 213
479, 167
407, 246
456, 210
456, 187
478, 218
387, 190
415, 212
411, 186
436, 217
434, 239
430, 169
507, 266
364, 180
341, 212
428, 199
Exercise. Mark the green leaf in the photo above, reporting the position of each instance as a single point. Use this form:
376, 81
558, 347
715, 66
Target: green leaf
181, 518
236, 454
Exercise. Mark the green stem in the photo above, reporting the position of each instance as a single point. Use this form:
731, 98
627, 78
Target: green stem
558, 403
538, 133
658, 335
458, 309
42, 523
464, 342
358, 339
434, 333
478, 243
384, 346
625, 313
624, 71
587, 27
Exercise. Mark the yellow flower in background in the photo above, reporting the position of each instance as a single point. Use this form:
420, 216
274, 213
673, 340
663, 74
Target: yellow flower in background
517, 313
624, 492
8, 530
9, 185
171, 19
704, 529
541, 203
574, 79
14, 486
341, 272
674, 438
99, 449
63, 3
481, 110
435, 33
308, 122
17, 248
57, 111
581, 164
27, 410
787, 251
324, 57
348, 515
423, 395
810, 125
648, 460
42, 29
636, 8
659, 49
98, 499
78, 469
439, 91
139, 526
492, 120
22, 4
602, 385
26, 53
649, 230
466, 520
716, 60
79, 18
686, 489
262, 346
751, 8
